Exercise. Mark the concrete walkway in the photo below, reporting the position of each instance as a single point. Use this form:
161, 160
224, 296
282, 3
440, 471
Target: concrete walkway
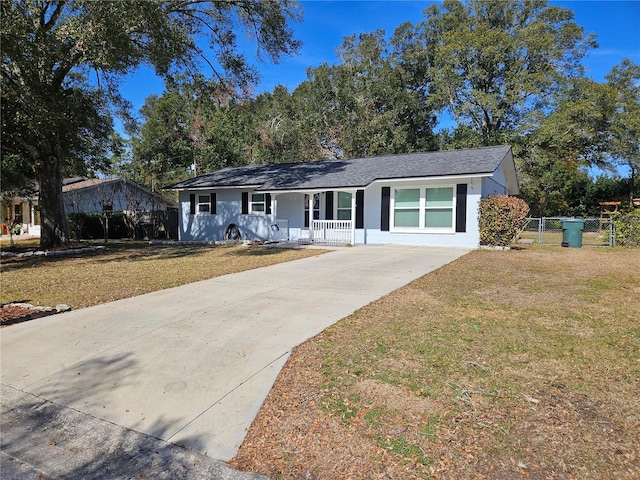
190, 365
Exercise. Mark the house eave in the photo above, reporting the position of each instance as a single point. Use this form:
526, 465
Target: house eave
260, 188
215, 187
438, 178
509, 169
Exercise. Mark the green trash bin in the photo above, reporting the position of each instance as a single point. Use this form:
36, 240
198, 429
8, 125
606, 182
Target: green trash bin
572, 232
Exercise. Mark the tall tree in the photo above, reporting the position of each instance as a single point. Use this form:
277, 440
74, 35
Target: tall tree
624, 80
163, 149
576, 128
51, 111
492, 62
590, 124
368, 104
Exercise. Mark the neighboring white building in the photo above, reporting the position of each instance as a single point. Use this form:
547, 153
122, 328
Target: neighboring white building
142, 208
97, 195
426, 199
83, 195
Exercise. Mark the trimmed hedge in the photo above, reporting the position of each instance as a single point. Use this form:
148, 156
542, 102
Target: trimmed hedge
626, 229
89, 226
501, 219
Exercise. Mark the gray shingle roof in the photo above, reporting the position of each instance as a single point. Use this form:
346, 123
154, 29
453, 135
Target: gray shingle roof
357, 172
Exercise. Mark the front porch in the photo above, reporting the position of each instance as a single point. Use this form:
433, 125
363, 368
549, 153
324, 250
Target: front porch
330, 232
319, 218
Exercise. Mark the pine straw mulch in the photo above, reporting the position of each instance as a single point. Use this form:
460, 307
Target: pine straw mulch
293, 437
502, 365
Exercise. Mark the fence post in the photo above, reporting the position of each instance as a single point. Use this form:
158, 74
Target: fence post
612, 237
540, 231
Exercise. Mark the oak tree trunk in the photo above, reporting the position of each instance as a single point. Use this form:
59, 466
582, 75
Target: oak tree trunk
54, 230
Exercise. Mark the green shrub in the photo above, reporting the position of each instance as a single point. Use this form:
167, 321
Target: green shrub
626, 229
89, 226
501, 219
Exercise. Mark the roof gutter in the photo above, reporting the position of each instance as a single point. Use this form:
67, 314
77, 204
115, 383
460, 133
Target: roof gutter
221, 187
434, 178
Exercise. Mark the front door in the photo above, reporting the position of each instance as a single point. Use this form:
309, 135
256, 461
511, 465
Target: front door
316, 208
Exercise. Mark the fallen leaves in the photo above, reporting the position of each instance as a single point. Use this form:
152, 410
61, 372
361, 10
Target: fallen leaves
374, 396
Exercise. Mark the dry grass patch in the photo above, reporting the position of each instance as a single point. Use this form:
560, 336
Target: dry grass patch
501, 365
127, 269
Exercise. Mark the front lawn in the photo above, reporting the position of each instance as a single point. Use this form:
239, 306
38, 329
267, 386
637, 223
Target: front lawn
126, 269
501, 365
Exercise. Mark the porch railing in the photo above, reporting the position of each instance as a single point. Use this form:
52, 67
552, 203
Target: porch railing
331, 232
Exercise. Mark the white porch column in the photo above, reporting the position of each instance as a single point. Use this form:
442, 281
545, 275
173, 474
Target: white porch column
310, 195
353, 218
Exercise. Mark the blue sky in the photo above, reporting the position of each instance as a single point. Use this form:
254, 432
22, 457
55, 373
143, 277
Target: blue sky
326, 23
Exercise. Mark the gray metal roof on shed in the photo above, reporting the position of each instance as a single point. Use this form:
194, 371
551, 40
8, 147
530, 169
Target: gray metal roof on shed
353, 173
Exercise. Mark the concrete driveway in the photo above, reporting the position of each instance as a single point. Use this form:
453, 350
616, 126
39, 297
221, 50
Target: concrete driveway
192, 365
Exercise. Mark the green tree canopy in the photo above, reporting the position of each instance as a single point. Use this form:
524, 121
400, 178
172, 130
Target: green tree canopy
624, 148
491, 63
53, 110
368, 104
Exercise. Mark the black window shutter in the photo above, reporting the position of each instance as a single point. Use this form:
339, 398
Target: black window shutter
213, 203
384, 211
192, 201
461, 208
360, 209
267, 200
245, 203
328, 205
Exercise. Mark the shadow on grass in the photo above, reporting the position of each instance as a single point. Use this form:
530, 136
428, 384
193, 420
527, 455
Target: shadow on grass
114, 252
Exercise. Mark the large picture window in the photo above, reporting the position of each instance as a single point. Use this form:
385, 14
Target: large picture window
429, 209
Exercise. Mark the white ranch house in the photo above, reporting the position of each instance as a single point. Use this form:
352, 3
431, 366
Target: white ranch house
428, 199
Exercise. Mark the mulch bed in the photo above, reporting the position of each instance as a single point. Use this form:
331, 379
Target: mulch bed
12, 313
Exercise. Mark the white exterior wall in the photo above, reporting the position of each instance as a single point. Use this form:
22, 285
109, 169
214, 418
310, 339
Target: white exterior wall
290, 207
204, 226
372, 234
492, 187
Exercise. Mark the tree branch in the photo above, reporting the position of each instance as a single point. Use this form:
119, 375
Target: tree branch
47, 25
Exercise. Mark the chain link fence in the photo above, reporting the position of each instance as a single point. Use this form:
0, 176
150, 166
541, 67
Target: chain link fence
597, 232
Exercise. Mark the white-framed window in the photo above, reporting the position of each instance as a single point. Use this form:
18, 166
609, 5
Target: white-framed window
343, 206
204, 204
438, 208
257, 204
406, 208
429, 209
17, 213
